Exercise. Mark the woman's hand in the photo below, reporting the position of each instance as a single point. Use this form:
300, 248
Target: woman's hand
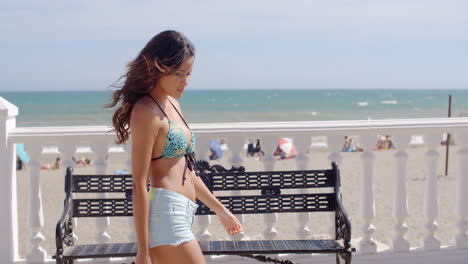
230, 222
142, 258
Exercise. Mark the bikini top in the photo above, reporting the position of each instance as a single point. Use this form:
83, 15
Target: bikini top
176, 142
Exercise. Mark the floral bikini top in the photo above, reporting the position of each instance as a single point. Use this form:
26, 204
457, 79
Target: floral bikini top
176, 143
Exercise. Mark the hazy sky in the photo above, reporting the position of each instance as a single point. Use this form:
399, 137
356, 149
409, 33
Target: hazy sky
241, 44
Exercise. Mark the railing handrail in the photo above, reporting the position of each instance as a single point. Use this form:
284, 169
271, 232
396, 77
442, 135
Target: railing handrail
21, 133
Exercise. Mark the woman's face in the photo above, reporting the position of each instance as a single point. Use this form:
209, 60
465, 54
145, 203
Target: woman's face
174, 83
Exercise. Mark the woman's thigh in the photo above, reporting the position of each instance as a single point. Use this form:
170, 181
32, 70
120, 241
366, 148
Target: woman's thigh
187, 253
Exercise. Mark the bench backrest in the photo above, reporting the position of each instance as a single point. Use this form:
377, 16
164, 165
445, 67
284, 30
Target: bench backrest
267, 184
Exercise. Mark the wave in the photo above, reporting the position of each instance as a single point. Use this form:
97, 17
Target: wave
389, 102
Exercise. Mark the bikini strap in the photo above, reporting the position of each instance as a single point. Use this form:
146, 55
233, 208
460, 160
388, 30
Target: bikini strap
179, 114
159, 105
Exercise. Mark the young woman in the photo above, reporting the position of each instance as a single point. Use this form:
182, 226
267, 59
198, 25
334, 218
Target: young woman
162, 152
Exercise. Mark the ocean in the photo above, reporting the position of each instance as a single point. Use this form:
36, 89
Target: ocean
80, 108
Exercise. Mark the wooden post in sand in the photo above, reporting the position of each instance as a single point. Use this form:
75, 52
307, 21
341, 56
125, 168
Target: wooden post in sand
448, 137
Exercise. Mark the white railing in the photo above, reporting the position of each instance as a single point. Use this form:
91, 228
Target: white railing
69, 139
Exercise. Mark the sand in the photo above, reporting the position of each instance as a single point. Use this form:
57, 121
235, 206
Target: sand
52, 188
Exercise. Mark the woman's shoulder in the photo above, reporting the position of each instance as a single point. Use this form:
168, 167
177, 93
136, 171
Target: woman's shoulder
175, 102
144, 110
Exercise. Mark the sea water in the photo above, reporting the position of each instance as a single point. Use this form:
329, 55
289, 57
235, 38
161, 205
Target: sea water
80, 108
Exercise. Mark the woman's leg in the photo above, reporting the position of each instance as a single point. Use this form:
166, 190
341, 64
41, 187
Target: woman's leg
187, 253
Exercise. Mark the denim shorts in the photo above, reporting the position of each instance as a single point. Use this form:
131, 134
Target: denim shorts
171, 216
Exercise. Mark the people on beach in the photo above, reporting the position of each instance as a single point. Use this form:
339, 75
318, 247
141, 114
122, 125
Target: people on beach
55, 166
384, 143
163, 152
350, 145
254, 150
346, 144
82, 162
216, 151
448, 137
20, 165
285, 149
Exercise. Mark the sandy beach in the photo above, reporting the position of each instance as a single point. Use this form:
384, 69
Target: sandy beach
384, 178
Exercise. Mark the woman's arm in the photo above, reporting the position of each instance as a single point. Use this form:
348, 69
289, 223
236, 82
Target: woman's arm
230, 222
143, 134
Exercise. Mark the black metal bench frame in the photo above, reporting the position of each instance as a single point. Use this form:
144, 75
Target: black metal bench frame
216, 178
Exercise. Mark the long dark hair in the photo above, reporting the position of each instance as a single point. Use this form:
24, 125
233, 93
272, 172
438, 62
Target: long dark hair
163, 55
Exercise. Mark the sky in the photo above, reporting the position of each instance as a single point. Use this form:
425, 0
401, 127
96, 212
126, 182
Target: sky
241, 44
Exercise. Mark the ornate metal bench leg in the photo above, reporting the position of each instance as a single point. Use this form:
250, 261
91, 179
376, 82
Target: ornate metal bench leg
348, 258
262, 258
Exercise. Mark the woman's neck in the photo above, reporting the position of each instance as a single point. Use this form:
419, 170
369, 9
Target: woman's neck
158, 95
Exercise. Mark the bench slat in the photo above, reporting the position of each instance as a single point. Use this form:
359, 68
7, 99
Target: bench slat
269, 247
252, 204
212, 248
221, 181
230, 181
100, 251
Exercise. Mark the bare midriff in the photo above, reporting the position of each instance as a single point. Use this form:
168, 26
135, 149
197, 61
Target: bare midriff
167, 174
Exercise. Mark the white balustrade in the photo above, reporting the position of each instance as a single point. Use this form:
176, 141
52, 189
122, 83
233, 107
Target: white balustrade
367, 245
202, 221
101, 150
335, 143
68, 138
237, 146
302, 143
8, 188
431, 202
68, 153
36, 215
269, 144
128, 165
461, 238
400, 200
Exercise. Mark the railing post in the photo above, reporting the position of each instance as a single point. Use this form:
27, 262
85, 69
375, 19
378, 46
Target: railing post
8, 202
236, 145
128, 164
101, 150
302, 143
367, 244
36, 214
431, 196
202, 221
68, 152
334, 143
270, 220
400, 200
461, 238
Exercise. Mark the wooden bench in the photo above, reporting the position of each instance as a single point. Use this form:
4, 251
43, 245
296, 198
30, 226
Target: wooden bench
217, 178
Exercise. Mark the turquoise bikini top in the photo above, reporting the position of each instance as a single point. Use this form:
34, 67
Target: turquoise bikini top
176, 142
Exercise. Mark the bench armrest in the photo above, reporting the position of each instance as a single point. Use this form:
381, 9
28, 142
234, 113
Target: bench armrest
342, 223
64, 227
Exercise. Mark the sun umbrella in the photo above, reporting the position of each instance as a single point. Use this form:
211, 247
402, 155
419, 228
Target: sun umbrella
215, 146
286, 145
20, 152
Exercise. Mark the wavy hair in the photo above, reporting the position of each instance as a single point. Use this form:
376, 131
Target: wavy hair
163, 55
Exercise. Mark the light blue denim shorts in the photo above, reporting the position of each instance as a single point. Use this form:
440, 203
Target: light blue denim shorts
171, 216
